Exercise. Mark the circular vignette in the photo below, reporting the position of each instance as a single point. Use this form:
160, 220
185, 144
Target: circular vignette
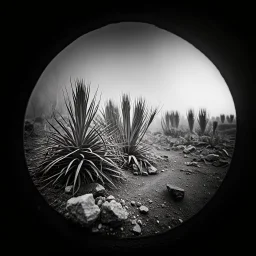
190, 35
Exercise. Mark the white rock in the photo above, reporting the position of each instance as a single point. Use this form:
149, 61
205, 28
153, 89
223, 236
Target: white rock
83, 209
113, 213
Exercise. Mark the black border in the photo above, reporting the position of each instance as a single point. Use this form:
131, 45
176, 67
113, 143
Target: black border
39, 38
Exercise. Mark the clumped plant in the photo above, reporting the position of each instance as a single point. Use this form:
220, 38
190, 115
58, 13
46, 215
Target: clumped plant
214, 126
165, 123
130, 129
222, 118
230, 119
170, 123
78, 154
202, 120
176, 119
172, 118
191, 119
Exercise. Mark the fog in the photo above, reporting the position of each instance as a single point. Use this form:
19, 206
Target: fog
139, 59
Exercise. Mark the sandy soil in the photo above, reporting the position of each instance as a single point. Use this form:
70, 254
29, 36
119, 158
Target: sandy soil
199, 183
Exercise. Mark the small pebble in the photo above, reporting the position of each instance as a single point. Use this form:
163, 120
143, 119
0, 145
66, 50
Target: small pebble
133, 203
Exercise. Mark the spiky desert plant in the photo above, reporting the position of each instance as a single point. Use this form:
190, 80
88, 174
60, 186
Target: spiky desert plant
231, 119
191, 119
222, 118
165, 123
172, 119
132, 129
176, 119
202, 120
214, 126
78, 154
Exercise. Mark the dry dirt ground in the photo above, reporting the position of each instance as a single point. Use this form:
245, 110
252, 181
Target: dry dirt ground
199, 183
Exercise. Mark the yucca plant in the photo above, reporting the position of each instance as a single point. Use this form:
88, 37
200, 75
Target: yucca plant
78, 154
230, 119
191, 119
176, 119
130, 131
202, 120
165, 123
222, 118
172, 119
214, 126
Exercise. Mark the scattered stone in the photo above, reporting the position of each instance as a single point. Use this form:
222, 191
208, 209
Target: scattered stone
135, 173
139, 222
162, 205
167, 149
182, 147
95, 230
185, 156
113, 213
180, 220
100, 226
122, 229
144, 173
138, 204
169, 227
176, 192
93, 188
126, 207
212, 157
174, 161
110, 198
204, 185
165, 156
100, 202
122, 202
152, 170
157, 221
143, 209
189, 149
150, 201
136, 229
182, 170
83, 209
162, 171
68, 189
102, 198
132, 203
133, 222
192, 164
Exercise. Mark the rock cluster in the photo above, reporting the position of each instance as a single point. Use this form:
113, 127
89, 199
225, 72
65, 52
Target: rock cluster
92, 207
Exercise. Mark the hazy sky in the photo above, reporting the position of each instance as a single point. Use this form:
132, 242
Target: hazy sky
142, 60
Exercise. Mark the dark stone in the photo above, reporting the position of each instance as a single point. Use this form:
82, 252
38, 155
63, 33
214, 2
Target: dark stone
93, 188
176, 192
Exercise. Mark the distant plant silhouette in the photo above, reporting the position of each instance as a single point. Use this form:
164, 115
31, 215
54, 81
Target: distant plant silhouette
191, 119
202, 120
176, 119
222, 118
230, 118
214, 126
